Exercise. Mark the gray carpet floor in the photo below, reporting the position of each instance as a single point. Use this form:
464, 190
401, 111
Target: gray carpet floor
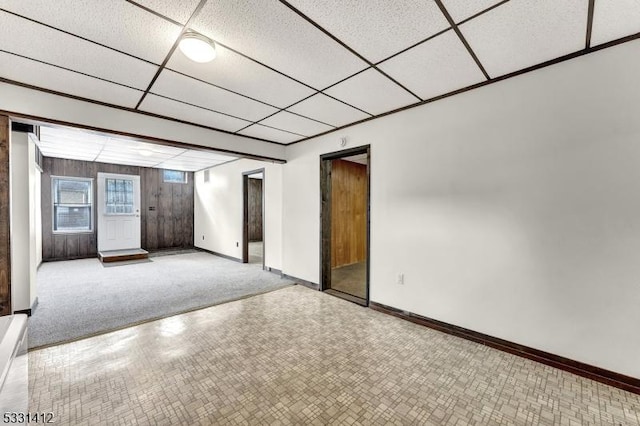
78, 298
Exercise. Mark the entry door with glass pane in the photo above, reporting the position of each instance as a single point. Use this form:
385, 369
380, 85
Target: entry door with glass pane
118, 212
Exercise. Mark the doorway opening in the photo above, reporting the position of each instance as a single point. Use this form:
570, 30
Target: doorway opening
119, 224
344, 224
253, 217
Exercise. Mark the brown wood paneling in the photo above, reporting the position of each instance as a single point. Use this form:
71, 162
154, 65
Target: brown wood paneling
166, 219
255, 209
348, 213
72, 249
149, 181
5, 231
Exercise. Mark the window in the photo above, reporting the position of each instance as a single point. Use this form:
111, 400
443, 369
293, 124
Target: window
119, 196
72, 204
175, 176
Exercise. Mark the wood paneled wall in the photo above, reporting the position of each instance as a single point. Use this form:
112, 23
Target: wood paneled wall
5, 230
255, 209
348, 213
166, 210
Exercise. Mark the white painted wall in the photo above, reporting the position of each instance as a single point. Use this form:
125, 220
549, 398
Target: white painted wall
37, 210
512, 210
218, 209
35, 220
23, 220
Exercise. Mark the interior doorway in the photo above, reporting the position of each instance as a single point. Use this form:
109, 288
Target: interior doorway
344, 223
253, 217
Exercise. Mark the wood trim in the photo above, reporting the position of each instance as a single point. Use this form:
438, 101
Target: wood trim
184, 30
481, 84
245, 213
325, 214
587, 43
455, 28
346, 46
300, 281
215, 253
482, 12
598, 374
153, 12
121, 108
77, 36
5, 217
325, 223
151, 139
123, 258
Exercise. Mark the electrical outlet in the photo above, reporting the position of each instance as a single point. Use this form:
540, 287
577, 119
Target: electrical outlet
401, 278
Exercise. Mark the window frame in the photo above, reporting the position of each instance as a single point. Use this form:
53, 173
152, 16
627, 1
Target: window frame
91, 205
106, 197
183, 182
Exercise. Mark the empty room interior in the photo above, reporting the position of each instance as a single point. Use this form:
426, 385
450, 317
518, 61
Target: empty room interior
301, 212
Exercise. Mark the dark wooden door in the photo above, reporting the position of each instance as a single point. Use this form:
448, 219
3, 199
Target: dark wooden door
255, 209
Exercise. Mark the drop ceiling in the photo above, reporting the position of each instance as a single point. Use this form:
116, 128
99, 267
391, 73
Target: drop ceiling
290, 70
73, 144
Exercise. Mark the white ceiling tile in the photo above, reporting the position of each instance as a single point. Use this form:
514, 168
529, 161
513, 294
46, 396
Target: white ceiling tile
125, 161
67, 156
372, 92
294, 123
376, 29
71, 148
235, 72
54, 134
463, 9
64, 50
270, 134
176, 164
49, 77
523, 33
436, 67
272, 33
117, 24
134, 155
178, 10
63, 142
187, 89
614, 19
169, 108
328, 110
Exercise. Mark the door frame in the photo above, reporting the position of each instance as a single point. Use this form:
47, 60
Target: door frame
325, 214
100, 205
245, 215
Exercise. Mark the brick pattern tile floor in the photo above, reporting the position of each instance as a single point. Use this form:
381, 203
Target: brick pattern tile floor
297, 356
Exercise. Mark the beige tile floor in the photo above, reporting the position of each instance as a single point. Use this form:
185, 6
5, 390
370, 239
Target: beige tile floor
297, 356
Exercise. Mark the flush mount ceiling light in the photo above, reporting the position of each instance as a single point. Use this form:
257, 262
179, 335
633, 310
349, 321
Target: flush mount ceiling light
145, 152
198, 48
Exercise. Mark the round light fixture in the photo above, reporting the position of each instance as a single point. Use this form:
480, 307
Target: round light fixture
198, 48
145, 152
